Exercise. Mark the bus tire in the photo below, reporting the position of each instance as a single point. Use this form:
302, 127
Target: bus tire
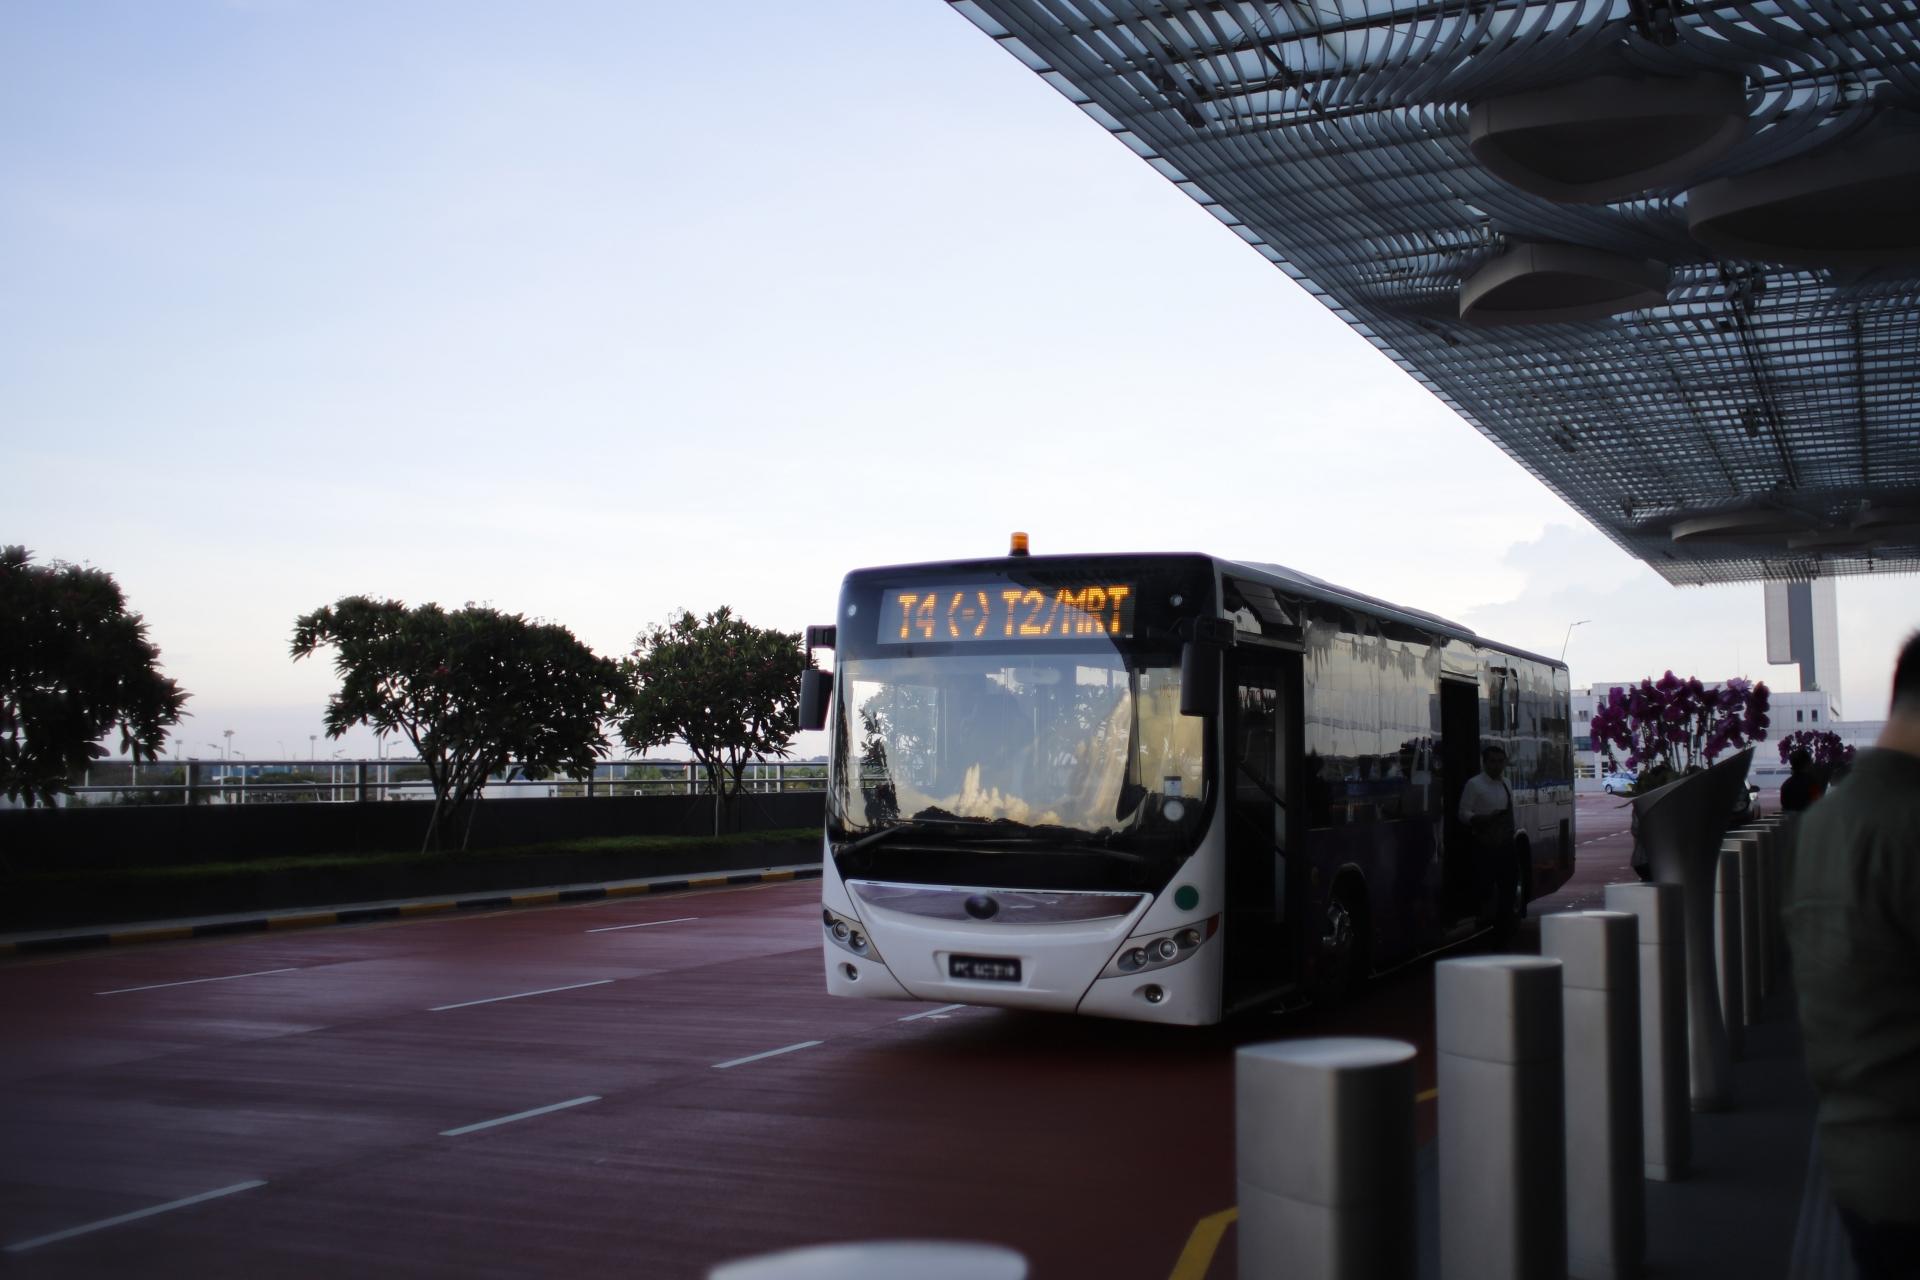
1346, 941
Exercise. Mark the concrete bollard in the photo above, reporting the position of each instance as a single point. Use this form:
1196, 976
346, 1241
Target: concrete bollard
1503, 1173
1761, 834
1667, 1135
1770, 923
1324, 1158
1745, 845
880, 1260
1599, 957
1726, 942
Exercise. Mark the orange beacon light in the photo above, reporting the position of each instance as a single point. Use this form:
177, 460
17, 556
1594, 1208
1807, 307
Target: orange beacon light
1019, 547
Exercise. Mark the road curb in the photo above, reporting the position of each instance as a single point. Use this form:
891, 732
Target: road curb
134, 934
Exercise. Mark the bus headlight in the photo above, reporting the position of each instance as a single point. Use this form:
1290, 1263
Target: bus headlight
846, 934
1158, 950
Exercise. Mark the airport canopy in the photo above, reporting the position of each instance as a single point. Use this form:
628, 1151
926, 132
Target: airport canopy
1665, 253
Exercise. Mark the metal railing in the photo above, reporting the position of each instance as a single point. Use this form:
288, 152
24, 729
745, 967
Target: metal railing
176, 782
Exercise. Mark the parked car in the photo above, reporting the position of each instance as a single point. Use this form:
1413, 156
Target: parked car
1613, 783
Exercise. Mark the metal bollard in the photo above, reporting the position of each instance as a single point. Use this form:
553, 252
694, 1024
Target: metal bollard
1324, 1158
1599, 957
880, 1260
1726, 942
1503, 1172
1667, 1135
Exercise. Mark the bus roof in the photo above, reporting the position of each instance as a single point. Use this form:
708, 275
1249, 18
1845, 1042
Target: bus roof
1273, 575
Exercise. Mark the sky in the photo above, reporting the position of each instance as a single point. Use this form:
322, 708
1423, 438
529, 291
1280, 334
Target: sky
599, 311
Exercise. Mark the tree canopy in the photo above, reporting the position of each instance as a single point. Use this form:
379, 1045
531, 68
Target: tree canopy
74, 666
473, 690
727, 689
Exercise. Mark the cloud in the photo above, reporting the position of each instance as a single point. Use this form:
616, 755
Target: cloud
1631, 622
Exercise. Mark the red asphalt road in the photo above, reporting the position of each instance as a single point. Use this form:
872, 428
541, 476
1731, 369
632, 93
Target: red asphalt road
324, 1064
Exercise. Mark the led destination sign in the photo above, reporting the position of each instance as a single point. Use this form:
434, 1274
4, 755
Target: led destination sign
998, 611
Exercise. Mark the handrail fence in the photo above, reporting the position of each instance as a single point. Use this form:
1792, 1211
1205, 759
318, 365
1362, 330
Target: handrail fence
177, 782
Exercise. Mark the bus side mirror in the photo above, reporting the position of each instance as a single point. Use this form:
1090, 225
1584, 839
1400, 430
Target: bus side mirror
816, 691
1199, 678
1200, 666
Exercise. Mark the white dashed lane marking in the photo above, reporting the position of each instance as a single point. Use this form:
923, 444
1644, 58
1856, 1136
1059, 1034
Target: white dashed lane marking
518, 995
520, 1115
258, 973
644, 924
771, 1053
942, 1011
87, 1228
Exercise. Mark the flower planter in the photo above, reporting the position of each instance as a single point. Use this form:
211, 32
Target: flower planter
1682, 824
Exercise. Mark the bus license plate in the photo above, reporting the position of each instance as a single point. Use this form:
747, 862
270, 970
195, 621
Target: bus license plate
983, 968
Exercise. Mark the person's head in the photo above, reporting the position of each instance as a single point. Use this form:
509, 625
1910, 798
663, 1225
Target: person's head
1493, 759
1906, 680
1801, 760
1903, 717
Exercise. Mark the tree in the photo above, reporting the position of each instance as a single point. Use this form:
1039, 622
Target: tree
473, 690
727, 689
1672, 725
74, 665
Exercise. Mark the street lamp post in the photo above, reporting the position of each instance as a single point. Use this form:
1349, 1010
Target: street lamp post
1569, 636
243, 777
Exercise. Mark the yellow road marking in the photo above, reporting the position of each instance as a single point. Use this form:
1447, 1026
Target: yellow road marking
534, 899
1426, 1095
1197, 1258
708, 882
627, 890
152, 935
424, 908
776, 875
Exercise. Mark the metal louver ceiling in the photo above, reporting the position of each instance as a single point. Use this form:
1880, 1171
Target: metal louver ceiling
1744, 413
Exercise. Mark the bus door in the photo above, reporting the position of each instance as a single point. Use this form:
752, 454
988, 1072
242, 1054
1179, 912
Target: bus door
1263, 827
1459, 761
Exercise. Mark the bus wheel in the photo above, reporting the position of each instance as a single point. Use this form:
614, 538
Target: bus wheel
1343, 947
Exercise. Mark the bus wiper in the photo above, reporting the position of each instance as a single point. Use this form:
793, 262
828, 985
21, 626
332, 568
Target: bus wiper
1058, 837
874, 837
886, 833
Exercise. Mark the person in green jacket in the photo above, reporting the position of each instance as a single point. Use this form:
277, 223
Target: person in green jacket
1853, 924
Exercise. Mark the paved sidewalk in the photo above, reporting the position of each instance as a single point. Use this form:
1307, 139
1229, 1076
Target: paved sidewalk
1750, 1210
392, 909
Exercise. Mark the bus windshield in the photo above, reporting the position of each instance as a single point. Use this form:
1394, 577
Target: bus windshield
1060, 747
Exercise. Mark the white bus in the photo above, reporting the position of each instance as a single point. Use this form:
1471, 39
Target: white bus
1164, 787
